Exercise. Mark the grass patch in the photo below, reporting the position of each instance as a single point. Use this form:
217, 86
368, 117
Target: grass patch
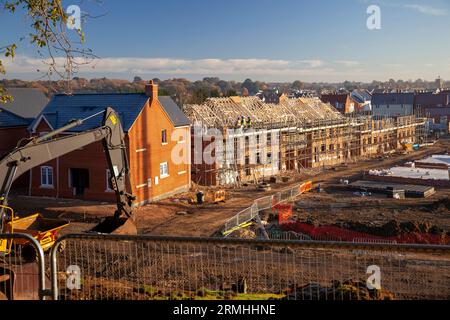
204, 294
225, 295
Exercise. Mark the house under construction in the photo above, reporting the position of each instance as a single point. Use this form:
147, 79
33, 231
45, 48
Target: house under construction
293, 135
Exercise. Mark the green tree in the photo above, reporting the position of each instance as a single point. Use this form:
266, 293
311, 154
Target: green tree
231, 93
200, 94
48, 24
215, 93
298, 85
250, 86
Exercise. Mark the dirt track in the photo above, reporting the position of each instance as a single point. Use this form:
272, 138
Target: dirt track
175, 217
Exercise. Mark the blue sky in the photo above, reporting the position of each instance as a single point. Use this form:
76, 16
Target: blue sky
270, 40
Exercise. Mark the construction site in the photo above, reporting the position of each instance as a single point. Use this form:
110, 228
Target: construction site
324, 241
306, 226
296, 135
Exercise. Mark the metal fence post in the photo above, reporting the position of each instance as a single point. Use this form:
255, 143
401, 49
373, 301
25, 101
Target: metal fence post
54, 268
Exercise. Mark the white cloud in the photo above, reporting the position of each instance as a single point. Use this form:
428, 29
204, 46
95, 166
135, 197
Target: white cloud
347, 63
426, 9
23, 64
25, 67
393, 65
312, 63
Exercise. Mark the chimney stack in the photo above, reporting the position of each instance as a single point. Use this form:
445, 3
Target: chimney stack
151, 90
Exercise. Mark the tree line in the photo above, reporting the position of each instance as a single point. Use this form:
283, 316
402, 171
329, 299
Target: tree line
185, 91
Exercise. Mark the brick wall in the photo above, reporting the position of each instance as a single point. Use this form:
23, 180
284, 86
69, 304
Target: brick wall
8, 141
147, 152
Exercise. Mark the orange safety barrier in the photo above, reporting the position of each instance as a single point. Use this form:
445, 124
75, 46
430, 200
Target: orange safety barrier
305, 187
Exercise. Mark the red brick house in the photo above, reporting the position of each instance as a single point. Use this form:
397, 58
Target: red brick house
15, 117
341, 101
12, 129
156, 131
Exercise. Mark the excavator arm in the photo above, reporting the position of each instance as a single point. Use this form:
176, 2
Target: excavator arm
50, 146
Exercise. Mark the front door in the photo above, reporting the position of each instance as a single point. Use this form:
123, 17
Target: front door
79, 181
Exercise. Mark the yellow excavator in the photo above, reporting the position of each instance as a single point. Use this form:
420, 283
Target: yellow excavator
39, 150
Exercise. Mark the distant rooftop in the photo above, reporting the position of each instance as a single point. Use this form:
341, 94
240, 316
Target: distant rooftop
393, 98
432, 99
361, 96
27, 103
10, 120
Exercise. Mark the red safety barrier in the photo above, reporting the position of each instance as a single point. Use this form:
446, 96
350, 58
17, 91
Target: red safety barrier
337, 233
284, 212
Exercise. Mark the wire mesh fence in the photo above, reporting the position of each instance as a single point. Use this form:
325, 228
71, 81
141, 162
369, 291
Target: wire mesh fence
146, 267
264, 203
22, 272
278, 234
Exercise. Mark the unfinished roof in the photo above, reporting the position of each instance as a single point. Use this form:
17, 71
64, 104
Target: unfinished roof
225, 112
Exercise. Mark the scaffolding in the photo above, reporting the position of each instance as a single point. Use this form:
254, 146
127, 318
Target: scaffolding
310, 135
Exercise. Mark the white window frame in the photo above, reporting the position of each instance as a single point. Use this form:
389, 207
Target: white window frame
46, 184
163, 174
165, 135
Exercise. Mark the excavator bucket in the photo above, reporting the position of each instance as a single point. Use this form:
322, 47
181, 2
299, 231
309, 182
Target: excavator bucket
111, 225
